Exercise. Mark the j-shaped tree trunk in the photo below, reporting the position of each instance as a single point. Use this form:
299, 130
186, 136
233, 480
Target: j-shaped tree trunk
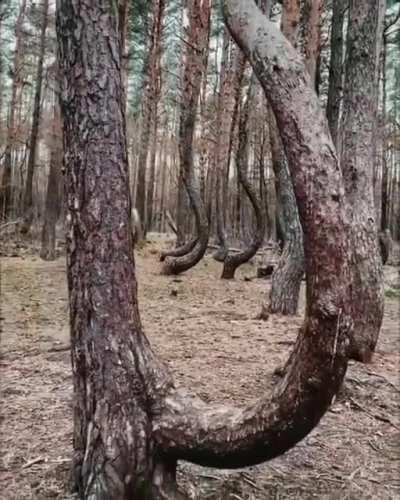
28, 193
53, 194
286, 278
234, 260
359, 121
199, 23
131, 424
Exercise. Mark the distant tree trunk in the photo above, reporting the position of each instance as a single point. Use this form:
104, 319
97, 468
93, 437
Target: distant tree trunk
385, 167
28, 195
156, 84
359, 121
53, 195
311, 19
287, 275
150, 84
6, 189
199, 22
131, 424
234, 260
339, 8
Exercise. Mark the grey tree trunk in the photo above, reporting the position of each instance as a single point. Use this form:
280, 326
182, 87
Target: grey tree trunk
131, 424
359, 121
28, 191
339, 8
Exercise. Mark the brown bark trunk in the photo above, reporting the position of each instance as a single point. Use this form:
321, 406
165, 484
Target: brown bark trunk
199, 22
234, 260
28, 191
131, 424
6, 188
53, 195
359, 121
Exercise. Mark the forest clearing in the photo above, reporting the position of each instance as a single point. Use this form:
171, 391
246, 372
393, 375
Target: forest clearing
210, 338
200, 249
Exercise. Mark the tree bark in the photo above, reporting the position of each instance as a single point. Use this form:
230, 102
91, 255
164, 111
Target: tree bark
339, 8
199, 22
53, 195
6, 188
359, 121
28, 193
131, 424
234, 260
287, 275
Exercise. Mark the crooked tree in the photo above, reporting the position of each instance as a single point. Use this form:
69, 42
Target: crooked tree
131, 424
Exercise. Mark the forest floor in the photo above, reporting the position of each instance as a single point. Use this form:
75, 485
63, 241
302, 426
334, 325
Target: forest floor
205, 329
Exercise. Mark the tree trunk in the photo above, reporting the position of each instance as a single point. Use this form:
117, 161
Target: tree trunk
287, 275
53, 195
131, 424
359, 121
339, 8
6, 188
199, 22
28, 195
234, 260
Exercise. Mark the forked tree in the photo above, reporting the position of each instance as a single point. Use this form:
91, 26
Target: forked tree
131, 424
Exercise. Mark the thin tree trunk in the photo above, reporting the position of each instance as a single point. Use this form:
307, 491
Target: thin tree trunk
53, 195
234, 260
359, 121
131, 424
287, 275
6, 194
195, 63
28, 191
339, 8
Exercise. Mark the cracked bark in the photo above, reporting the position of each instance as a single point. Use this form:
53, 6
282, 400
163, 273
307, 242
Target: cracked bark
357, 162
131, 424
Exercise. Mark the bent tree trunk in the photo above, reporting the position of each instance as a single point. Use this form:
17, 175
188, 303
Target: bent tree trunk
199, 21
234, 260
131, 424
357, 162
286, 278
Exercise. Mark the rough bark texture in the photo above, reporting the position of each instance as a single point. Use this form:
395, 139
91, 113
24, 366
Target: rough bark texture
130, 423
234, 260
359, 120
199, 22
310, 22
286, 279
225, 437
28, 194
336, 68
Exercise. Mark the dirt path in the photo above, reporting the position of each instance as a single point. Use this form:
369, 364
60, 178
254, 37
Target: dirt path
205, 329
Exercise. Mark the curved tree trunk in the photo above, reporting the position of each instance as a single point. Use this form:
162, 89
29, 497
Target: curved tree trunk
131, 424
286, 279
199, 22
357, 162
287, 275
28, 194
234, 260
179, 251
